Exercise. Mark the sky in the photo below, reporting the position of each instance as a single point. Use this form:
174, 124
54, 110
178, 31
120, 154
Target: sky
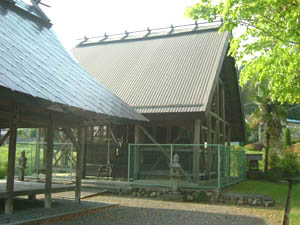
74, 19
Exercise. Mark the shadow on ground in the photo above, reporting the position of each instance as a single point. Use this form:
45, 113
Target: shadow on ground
26, 210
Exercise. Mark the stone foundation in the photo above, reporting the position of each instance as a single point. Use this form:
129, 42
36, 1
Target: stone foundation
213, 196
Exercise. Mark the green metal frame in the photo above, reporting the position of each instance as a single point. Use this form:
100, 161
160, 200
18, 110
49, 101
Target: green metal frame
231, 165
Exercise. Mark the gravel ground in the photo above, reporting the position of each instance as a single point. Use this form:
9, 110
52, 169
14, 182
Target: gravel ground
147, 211
25, 210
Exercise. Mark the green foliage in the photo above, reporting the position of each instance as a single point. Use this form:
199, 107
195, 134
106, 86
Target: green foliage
290, 164
269, 43
270, 114
287, 138
250, 147
274, 160
32, 133
201, 197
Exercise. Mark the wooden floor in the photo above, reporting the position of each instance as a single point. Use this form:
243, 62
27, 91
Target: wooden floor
32, 188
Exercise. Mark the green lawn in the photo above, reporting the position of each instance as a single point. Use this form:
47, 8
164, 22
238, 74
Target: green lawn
278, 191
30, 149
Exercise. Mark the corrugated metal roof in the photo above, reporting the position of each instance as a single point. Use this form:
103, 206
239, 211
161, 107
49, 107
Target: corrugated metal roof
173, 72
33, 61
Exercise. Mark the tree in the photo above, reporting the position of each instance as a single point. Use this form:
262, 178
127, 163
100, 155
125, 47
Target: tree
269, 46
287, 138
270, 113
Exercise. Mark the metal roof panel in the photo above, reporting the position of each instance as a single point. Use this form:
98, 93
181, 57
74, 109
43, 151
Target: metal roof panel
165, 70
34, 62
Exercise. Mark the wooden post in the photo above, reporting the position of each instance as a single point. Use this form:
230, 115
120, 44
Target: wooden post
137, 140
11, 167
85, 152
209, 149
49, 161
45, 147
37, 150
79, 163
196, 150
108, 146
222, 114
228, 146
217, 127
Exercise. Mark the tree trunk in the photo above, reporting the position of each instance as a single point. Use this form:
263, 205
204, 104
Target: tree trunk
267, 152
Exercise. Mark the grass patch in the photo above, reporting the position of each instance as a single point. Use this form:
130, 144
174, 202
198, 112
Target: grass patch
295, 209
30, 149
278, 191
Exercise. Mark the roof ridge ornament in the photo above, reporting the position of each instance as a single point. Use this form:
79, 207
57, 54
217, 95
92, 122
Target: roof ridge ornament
172, 29
195, 26
35, 4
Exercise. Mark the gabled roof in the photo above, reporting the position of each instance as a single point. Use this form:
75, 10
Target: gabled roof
158, 72
34, 62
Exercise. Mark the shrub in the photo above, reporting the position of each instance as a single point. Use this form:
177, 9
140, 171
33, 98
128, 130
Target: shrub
250, 147
290, 165
287, 138
274, 160
201, 197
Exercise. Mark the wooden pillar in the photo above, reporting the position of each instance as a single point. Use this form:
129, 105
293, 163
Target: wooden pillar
79, 163
209, 149
49, 161
196, 155
108, 145
37, 150
229, 136
85, 152
137, 140
223, 114
11, 167
209, 128
45, 147
217, 126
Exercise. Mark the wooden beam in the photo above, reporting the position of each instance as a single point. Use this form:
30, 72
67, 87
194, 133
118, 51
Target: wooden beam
79, 163
181, 132
4, 138
218, 118
11, 167
48, 161
161, 149
71, 136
